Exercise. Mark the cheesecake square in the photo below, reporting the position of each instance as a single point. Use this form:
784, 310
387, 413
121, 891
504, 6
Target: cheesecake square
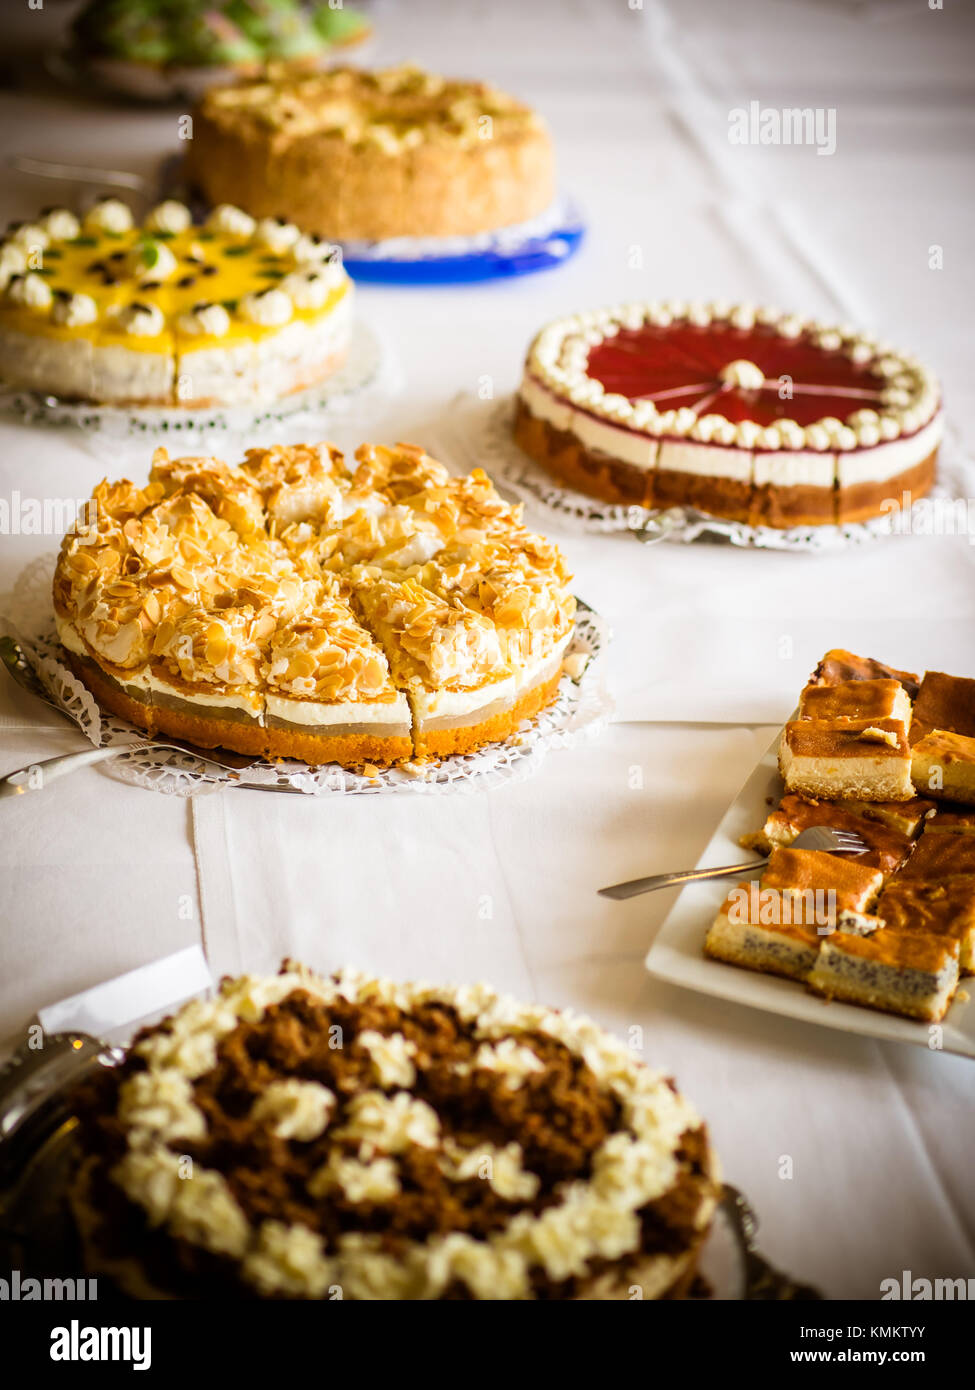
862, 760
764, 929
866, 699
887, 848
936, 909
839, 666
909, 817
827, 883
944, 702
943, 764
913, 974
937, 857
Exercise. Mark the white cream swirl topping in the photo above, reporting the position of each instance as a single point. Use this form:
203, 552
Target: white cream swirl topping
268, 308
110, 215
151, 259
61, 224
31, 236
13, 261
276, 236
169, 216
592, 1219
31, 290
231, 221
211, 320
558, 357
308, 289
142, 320
74, 310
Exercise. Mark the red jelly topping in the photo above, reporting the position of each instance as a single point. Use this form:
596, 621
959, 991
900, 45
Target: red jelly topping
680, 365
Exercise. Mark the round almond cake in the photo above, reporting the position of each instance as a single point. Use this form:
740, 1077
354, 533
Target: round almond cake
297, 607
360, 155
351, 1138
168, 313
743, 413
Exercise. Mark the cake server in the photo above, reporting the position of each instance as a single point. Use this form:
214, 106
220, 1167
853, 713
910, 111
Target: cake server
39, 774
78, 173
818, 837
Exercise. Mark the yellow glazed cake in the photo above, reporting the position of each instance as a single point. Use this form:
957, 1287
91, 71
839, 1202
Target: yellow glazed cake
453, 1144
168, 313
360, 155
297, 607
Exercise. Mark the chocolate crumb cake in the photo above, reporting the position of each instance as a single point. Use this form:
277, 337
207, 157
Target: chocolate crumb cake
306, 1138
296, 607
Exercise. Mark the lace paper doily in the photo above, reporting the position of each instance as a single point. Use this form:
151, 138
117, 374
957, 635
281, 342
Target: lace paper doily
581, 708
487, 439
367, 369
561, 216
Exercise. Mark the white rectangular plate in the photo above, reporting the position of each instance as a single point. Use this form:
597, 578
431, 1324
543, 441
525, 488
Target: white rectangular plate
677, 953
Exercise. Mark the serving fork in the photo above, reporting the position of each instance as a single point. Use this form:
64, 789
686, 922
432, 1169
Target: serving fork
820, 837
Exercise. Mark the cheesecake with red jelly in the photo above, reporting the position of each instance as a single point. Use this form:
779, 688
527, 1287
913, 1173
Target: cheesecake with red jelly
746, 414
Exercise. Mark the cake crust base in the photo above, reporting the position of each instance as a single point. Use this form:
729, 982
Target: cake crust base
348, 750
609, 479
440, 743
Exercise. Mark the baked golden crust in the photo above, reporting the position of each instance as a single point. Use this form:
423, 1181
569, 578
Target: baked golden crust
349, 750
614, 480
938, 909
874, 699
941, 857
564, 456
847, 738
944, 763
839, 666
914, 976
854, 884
914, 951
944, 702
865, 500
441, 743
365, 156
887, 845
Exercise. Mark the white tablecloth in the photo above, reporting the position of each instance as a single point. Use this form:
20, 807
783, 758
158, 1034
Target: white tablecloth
100, 877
